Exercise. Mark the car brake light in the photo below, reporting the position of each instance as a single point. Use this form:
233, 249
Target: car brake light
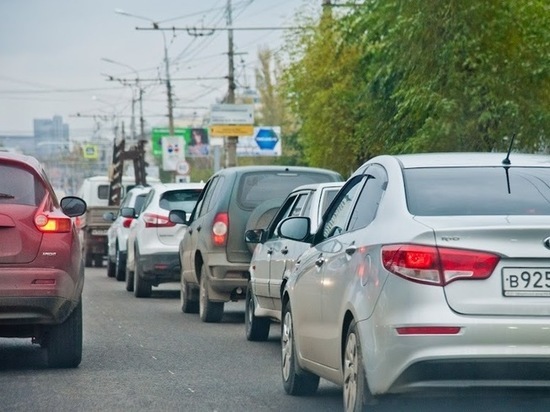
154, 220
437, 266
220, 228
46, 223
127, 222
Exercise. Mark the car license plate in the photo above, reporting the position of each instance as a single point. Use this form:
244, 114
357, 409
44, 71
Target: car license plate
526, 282
99, 232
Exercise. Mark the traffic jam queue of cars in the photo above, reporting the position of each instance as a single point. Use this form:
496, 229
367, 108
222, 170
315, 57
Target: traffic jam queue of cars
418, 271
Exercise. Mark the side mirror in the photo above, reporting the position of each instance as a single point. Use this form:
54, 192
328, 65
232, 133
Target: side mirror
73, 206
295, 228
109, 216
254, 236
128, 212
178, 216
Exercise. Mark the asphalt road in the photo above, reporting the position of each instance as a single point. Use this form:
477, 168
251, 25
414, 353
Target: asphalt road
146, 355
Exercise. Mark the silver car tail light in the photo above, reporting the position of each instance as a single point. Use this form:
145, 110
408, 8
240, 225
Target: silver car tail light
437, 266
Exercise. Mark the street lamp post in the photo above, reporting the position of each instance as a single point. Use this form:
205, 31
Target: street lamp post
166, 66
140, 99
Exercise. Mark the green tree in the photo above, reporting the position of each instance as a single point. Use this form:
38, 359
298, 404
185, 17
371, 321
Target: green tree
321, 86
413, 76
274, 110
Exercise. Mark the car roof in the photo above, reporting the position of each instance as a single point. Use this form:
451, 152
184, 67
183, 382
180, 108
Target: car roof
17, 157
318, 186
466, 159
162, 187
268, 168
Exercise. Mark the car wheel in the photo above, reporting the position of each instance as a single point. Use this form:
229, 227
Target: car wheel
120, 265
88, 260
257, 328
356, 392
295, 380
111, 268
187, 304
142, 288
64, 341
208, 311
98, 261
129, 280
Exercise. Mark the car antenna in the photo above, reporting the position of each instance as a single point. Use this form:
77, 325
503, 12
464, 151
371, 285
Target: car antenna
506, 160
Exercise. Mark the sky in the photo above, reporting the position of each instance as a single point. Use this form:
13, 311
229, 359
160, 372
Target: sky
56, 57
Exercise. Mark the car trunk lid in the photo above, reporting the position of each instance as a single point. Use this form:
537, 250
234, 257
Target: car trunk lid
520, 283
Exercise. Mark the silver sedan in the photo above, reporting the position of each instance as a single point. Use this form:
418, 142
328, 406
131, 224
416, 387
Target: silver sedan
428, 270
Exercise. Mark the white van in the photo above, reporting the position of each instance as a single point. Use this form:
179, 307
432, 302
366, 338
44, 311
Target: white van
95, 190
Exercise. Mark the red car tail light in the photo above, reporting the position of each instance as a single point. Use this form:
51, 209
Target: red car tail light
127, 222
437, 266
154, 220
220, 228
55, 224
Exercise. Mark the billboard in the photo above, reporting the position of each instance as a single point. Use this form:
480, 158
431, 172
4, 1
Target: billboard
197, 142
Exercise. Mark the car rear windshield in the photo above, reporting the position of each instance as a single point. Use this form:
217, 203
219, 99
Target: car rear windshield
19, 186
180, 199
257, 187
478, 191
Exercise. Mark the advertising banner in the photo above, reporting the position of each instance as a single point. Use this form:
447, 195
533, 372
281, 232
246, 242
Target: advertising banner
173, 152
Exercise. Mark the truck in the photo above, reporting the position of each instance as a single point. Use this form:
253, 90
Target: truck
102, 194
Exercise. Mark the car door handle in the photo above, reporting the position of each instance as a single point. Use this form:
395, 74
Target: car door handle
270, 251
284, 251
320, 261
199, 228
351, 249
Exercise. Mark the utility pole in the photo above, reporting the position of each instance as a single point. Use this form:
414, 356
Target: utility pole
231, 142
168, 88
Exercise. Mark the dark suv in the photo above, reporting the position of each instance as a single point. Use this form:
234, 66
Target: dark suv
214, 256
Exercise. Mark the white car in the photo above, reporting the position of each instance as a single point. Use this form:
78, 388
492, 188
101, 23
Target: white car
274, 256
117, 235
153, 242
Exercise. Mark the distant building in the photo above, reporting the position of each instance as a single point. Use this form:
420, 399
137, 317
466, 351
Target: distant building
51, 136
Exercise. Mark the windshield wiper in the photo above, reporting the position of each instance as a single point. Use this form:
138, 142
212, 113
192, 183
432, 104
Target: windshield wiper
506, 162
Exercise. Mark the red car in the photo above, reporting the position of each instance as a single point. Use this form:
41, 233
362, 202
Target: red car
41, 268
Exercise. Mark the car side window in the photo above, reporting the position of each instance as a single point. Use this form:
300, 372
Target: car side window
369, 199
283, 212
148, 199
209, 192
338, 214
299, 206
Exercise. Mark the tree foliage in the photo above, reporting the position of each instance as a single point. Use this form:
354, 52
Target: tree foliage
400, 76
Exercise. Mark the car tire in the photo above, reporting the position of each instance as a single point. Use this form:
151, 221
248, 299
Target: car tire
257, 328
88, 260
261, 216
187, 304
120, 265
129, 280
296, 381
98, 261
210, 312
142, 288
64, 341
356, 391
111, 268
